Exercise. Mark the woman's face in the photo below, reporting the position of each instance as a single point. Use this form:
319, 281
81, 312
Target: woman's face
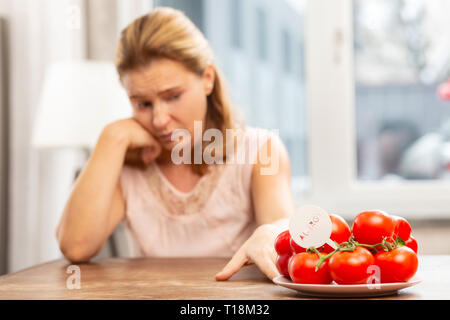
166, 96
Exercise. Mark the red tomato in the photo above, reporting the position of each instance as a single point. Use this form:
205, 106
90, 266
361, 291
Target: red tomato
411, 243
295, 247
282, 243
369, 227
402, 228
398, 265
340, 232
351, 267
302, 269
282, 264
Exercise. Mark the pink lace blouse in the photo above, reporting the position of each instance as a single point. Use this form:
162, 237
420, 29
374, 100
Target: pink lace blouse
214, 219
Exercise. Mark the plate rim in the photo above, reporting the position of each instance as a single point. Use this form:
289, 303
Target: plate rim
415, 280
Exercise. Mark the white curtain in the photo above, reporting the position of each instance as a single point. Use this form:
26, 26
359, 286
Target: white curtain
42, 32
39, 180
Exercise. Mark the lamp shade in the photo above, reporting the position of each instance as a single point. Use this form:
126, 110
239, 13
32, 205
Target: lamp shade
78, 98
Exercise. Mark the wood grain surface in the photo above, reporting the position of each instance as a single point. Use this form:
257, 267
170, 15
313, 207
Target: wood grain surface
183, 278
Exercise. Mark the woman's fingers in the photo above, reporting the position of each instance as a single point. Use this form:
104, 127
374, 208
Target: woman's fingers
266, 264
150, 153
257, 249
237, 261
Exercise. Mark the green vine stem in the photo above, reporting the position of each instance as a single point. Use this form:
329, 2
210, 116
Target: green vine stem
351, 245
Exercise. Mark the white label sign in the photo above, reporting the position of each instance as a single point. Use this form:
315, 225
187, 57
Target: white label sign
311, 226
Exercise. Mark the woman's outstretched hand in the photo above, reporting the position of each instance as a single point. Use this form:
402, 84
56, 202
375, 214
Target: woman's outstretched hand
258, 249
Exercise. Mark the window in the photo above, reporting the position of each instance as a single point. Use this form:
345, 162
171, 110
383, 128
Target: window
403, 128
236, 23
341, 181
241, 34
287, 53
301, 61
261, 34
192, 8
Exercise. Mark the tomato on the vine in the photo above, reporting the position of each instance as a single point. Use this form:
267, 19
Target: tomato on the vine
282, 243
282, 263
402, 228
302, 269
350, 263
351, 267
412, 243
370, 227
340, 232
397, 265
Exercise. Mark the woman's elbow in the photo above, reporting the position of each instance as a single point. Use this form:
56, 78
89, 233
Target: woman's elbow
76, 253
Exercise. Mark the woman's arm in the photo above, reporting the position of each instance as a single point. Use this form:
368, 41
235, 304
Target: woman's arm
274, 204
95, 206
271, 185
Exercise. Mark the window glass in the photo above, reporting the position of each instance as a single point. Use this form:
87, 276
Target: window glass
401, 60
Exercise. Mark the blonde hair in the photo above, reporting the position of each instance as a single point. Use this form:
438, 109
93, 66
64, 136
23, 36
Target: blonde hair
167, 33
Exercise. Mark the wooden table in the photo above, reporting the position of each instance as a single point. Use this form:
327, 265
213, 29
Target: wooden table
181, 278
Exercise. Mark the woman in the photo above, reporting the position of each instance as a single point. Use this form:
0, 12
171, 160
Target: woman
172, 209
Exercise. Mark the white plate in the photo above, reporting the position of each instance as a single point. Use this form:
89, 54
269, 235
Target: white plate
349, 290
